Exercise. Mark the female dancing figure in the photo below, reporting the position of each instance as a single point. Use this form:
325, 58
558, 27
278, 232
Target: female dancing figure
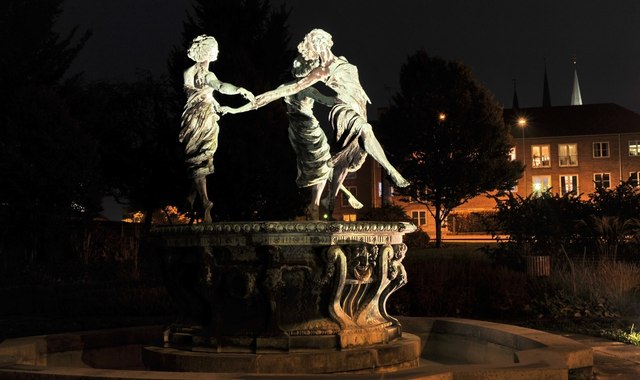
348, 116
199, 127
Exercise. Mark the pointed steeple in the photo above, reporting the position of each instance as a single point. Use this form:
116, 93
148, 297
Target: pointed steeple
576, 97
546, 95
515, 105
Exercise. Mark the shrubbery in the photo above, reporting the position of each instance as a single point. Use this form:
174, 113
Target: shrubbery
606, 225
479, 222
594, 248
470, 286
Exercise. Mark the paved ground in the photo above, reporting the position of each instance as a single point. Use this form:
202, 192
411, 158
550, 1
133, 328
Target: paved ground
611, 360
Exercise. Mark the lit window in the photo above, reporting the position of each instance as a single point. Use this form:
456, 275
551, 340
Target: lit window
634, 147
541, 156
540, 183
568, 154
419, 218
349, 217
602, 180
345, 199
634, 178
568, 184
512, 154
600, 149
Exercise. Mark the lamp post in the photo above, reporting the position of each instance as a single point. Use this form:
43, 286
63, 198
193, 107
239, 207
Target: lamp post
522, 123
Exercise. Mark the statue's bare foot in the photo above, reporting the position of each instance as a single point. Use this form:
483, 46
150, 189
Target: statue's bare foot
399, 180
353, 202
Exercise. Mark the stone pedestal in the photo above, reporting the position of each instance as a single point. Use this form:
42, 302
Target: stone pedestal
282, 287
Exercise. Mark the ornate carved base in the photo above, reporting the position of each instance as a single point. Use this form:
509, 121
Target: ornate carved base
273, 287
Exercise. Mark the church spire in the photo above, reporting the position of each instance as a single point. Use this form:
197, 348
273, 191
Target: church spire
576, 97
515, 105
546, 95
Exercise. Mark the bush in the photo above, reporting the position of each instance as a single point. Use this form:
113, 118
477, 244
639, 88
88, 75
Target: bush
417, 239
604, 226
606, 289
442, 284
480, 222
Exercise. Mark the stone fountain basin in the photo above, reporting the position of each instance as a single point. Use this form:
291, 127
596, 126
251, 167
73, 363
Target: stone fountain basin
451, 348
472, 349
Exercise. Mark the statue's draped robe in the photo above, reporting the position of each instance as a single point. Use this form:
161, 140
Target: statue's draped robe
308, 141
199, 127
349, 115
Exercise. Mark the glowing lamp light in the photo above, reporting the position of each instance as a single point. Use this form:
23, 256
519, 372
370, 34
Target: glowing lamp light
537, 186
522, 122
442, 116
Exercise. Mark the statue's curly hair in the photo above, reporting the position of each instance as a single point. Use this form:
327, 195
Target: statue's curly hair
201, 48
319, 38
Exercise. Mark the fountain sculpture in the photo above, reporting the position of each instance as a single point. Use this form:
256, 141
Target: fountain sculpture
272, 297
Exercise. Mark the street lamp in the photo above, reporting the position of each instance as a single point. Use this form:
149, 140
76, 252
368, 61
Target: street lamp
522, 123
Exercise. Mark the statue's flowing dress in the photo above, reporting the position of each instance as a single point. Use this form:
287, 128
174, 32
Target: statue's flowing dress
308, 141
199, 128
348, 115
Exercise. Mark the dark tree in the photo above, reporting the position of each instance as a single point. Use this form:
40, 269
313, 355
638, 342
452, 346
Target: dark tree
140, 157
448, 134
32, 52
47, 161
254, 166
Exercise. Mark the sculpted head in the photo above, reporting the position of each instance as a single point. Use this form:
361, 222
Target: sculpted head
302, 67
316, 45
203, 48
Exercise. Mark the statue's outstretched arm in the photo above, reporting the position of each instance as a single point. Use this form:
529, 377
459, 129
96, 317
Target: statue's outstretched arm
319, 97
291, 88
228, 88
226, 109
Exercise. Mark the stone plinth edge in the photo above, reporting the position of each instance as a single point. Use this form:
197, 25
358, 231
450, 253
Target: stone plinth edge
402, 353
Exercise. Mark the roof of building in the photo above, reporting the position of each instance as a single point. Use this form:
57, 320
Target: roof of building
591, 119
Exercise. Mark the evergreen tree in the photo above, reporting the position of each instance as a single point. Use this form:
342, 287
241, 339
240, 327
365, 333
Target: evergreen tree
47, 161
140, 158
448, 132
254, 166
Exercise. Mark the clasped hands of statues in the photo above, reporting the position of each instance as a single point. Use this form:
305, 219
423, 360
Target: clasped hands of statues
255, 102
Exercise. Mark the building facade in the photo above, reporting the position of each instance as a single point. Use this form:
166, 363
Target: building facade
567, 149
574, 149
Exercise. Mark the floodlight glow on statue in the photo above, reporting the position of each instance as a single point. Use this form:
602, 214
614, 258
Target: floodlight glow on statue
199, 127
354, 135
309, 141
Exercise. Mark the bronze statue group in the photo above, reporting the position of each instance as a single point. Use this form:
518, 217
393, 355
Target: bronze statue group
316, 165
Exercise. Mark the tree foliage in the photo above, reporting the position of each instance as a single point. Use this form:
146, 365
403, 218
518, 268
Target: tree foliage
602, 226
448, 133
32, 52
254, 166
47, 160
140, 157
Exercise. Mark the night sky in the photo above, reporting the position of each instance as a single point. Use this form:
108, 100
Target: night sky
499, 39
